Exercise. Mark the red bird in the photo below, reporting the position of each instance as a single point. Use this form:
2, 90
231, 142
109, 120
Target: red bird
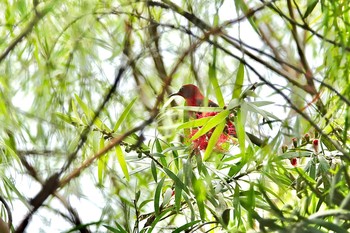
194, 97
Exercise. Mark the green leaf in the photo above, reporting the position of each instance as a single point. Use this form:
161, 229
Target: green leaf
157, 195
328, 225
167, 196
239, 124
160, 152
176, 179
124, 114
323, 165
90, 114
178, 195
262, 103
87, 111
253, 108
102, 164
251, 200
122, 162
197, 109
271, 203
328, 143
310, 7
69, 119
214, 139
154, 171
175, 155
305, 176
236, 204
158, 218
214, 121
194, 123
234, 169
215, 84
242, 5
200, 193
74, 109
120, 229
225, 216
346, 125
310, 168
295, 154
239, 82
82, 226
158, 146
186, 226
234, 103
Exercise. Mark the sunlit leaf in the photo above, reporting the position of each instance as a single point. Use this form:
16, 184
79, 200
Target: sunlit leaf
122, 162
214, 121
215, 84
90, 114
194, 123
237, 89
214, 139
124, 115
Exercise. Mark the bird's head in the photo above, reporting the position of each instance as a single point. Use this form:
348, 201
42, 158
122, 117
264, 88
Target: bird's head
193, 96
189, 91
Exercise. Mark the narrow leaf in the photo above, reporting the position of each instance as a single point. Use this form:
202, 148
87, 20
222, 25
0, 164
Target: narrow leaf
178, 195
253, 108
200, 195
214, 139
124, 114
101, 164
122, 162
197, 109
157, 196
69, 119
186, 226
240, 131
215, 84
194, 123
175, 179
154, 171
239, 81
90, 114
310, 7
214, 121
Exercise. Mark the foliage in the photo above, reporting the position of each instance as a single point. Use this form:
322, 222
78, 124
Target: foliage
86, 116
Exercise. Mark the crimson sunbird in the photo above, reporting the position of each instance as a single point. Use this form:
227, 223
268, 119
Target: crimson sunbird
194, 97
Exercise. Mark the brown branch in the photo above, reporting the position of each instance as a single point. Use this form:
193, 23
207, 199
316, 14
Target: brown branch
305, 26
202, 25
114, 142
53, 182
277, 59
300, 112
75, 216
300, 48
155, 51
137, 74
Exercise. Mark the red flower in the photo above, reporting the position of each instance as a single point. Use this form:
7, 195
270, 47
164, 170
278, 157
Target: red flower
294, 161
201, 143
315, 143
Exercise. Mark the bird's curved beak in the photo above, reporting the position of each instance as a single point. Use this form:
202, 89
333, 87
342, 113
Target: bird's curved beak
174, 94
